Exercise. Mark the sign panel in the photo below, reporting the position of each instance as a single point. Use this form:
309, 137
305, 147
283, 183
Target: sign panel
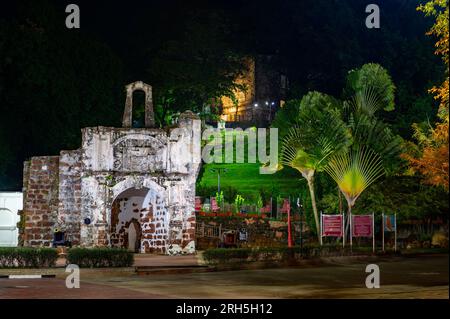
332, 225
390, 224
214, 206
362, 225
243, 234
198, 203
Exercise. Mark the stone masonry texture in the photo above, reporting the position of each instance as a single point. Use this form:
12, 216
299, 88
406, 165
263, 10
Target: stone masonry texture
80, 191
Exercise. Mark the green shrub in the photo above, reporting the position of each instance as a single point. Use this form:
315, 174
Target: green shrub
25, 257
205, 191
230, 255
100, 257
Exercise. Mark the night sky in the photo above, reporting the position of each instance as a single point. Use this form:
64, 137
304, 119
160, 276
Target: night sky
69, 79
312, 30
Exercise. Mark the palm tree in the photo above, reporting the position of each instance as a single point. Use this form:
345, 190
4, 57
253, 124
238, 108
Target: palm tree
320, 138
374, 144
319, 132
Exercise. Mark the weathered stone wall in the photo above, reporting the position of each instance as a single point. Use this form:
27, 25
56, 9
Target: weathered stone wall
70, 195
166, 162
76, 191
40, 206
260, 232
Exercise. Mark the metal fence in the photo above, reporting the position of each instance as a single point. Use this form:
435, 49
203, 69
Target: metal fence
210, 231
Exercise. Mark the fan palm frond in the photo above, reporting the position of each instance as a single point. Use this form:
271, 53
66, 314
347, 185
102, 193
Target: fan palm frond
354, 171
367, 101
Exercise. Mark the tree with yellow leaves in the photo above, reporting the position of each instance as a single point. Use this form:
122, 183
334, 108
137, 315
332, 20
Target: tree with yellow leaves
431, 154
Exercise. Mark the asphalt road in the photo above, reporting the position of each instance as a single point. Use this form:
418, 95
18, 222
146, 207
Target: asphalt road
419, 277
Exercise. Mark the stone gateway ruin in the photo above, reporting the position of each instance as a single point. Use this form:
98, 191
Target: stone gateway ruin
124, 187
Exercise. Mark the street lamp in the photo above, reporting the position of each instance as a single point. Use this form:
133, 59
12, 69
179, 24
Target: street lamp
218, 170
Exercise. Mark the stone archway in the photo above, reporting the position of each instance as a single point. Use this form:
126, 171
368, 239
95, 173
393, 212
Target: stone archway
139, 214
127, 210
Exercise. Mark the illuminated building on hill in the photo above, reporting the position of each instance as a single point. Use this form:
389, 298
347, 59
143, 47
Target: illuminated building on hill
265, 92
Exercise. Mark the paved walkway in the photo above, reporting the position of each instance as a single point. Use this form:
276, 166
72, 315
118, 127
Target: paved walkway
419, 277
55, 288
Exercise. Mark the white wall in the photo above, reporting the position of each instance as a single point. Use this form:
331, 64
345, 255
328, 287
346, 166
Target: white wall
10, 204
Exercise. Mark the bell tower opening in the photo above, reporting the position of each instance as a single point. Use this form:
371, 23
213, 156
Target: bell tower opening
138, 113
149, 116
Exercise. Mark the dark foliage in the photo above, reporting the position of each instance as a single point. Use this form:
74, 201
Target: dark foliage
100, 257
54, 81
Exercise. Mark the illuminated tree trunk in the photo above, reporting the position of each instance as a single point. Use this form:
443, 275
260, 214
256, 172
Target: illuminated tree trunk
347, 227
310, 179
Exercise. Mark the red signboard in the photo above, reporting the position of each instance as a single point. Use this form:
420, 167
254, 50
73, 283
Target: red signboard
214, 206
198, 203
332, 225
286, 206
362, 225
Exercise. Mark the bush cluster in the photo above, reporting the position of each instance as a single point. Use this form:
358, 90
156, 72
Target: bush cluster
100, 257
24, 257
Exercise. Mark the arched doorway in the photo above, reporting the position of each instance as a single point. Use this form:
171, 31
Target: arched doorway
127, 210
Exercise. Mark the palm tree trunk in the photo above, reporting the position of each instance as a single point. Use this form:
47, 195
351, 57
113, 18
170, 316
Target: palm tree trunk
313, 203
347, 227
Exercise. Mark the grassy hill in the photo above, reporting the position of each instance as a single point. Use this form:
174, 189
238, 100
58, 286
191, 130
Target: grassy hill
247, 180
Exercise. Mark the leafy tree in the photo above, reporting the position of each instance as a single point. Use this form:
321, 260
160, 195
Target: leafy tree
373, 95
195, 67
318, 134
430, 156
355, 171
406, 195
374, 147
374, 84
286, 117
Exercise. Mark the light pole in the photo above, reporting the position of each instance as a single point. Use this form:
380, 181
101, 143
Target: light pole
218, 170
300, 206
253, 111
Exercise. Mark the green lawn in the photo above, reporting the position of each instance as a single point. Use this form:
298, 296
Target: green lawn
248, 181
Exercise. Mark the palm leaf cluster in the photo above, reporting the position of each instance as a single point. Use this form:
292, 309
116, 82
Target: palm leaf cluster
345, 139
354, 171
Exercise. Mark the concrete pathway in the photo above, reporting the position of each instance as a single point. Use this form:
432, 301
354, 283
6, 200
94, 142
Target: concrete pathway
418, 277
55, 288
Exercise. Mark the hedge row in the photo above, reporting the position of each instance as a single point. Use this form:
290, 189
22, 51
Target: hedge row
24, 257
100, 257
230, 255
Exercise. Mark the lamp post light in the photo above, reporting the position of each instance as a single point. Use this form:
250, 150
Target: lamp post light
270, 110
255, 105
218, 170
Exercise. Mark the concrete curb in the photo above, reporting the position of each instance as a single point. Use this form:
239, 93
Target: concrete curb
26, 276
